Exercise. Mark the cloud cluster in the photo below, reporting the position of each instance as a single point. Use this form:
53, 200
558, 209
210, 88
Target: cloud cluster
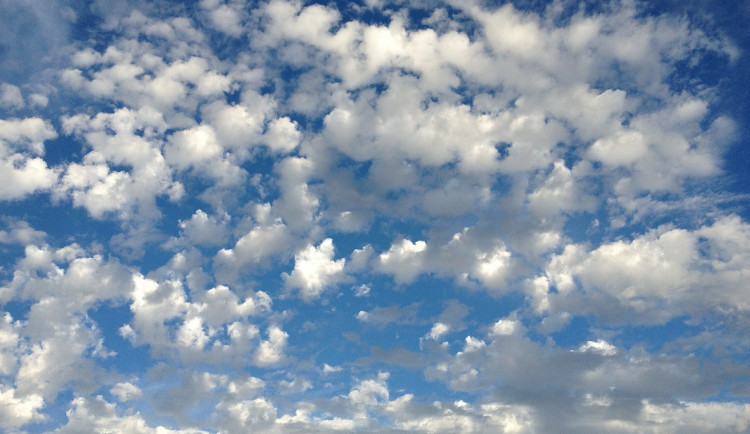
385, 216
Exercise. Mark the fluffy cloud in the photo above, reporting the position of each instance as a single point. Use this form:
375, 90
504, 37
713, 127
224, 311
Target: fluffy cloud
10, 96
21, 147
96, 414
224, 17
203, 229
537, 199
403, 260
508, 364
125, 391
269, 238
315, 270
22, 176
271, 351
212, 325
459, 416
18, 411
665, 273
126, 138
22, 233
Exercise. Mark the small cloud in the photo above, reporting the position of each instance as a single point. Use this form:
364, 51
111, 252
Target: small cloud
328, 369
437, 331
599, 347
362, 290
315, 270
382, 316
10, 97
125, 391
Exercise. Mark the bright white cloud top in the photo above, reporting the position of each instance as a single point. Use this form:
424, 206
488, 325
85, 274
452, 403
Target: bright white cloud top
375, 216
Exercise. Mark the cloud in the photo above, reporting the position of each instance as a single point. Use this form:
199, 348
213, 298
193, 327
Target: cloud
403, 260
22, 176
657, 276
437, 331
269, 238
96, 414
202, 229
18, 411
256, 414
539, 200
21, 147
10, 96
129, 138
22, 233
458, 416
315, 270
224, 17
382, 316
212, 325
189, 147
126, 391
271, 351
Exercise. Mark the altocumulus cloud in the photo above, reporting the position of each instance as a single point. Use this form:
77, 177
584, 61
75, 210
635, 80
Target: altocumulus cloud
374, 216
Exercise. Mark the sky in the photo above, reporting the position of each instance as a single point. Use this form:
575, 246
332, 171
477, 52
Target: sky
374, 216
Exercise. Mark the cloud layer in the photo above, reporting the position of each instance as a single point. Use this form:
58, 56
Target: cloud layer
375, 216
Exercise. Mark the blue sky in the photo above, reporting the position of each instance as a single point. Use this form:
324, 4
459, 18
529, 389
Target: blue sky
374, 216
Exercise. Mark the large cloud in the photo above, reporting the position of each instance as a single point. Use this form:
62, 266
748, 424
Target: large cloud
412, 216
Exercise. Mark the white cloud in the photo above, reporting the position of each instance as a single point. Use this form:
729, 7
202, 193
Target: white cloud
23, 171
523, 153
562, 191
130, 138
220, 304
96, 414
657, 276
622, 148
492, 268
505, 327
269, 238
298, 204
192, 147
20, 176
10, 96
362, 290
370, 392
246, 387
38, 100
211, 326
21, 232
59, 352
403, 260
125, 391
224, 17
298, 385
458, 416
698, 417
328, 369
9, 340
315, 270
438, 330
256, 414
271, 351
600, 346
19, 410
43, 274
206, 230
239, 126
282, 135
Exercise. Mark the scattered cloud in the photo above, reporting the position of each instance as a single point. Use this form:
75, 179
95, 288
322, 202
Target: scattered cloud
280, 216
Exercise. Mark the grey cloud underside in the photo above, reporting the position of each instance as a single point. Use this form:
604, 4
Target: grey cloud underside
332, 165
